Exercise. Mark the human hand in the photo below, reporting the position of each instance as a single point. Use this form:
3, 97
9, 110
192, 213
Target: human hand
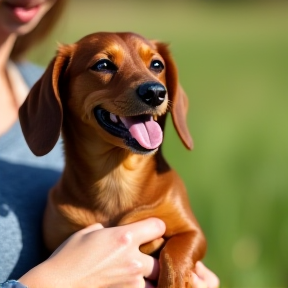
203, 277
101, 257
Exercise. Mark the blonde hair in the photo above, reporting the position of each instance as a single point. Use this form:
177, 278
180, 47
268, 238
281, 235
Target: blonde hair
44, 27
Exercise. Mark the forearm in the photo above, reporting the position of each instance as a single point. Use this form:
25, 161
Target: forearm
41, 276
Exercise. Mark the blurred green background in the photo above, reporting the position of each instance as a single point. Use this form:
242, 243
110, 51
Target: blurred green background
233, 64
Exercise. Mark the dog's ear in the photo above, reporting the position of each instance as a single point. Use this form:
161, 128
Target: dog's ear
41, 114
177, 96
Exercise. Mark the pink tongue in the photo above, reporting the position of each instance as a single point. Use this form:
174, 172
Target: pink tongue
146, 131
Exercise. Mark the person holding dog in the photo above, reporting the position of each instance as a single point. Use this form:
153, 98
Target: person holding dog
102, 257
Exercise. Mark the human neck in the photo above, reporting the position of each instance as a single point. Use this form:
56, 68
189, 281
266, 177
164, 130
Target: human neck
6, 46
8, 102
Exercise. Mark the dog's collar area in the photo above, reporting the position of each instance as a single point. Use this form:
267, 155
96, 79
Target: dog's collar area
140, 133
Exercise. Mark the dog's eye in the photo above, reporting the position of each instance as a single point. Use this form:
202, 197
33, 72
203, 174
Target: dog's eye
104, 65
157, 66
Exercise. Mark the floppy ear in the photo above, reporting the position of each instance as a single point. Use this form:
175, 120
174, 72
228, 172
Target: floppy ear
177, 96
41, 114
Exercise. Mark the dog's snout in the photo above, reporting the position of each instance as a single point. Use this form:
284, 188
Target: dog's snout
152, 93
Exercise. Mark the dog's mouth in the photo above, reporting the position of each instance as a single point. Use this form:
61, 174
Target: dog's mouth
140, 133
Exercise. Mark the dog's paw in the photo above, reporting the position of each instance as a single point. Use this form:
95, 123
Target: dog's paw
173, 274
152, 247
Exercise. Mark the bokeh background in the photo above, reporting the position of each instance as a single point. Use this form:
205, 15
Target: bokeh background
233, 63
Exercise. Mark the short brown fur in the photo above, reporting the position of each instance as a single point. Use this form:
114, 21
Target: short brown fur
103, 180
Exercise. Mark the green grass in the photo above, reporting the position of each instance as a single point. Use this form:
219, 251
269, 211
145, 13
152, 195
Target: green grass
233, 64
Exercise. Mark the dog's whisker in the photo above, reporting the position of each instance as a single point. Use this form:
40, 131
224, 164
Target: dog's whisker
169, 105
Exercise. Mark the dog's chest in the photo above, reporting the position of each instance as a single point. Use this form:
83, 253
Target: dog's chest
116, 194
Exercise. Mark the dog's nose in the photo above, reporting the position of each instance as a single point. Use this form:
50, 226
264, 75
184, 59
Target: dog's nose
152, 93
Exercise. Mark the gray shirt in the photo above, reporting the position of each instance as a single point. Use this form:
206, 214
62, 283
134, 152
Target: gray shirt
24, 182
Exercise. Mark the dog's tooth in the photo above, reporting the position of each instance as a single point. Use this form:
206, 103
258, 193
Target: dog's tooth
113, 118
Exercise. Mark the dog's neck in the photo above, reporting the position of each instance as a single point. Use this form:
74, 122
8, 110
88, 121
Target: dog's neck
99, 175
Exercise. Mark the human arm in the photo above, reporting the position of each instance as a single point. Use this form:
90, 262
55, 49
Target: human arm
86, 259
107, 257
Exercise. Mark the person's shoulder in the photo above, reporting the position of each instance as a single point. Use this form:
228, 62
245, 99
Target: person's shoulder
30, 72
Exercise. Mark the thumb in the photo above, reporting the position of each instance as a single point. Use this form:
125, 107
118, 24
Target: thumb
92, 228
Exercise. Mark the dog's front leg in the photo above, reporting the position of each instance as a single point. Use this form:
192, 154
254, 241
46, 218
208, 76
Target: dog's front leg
178, 258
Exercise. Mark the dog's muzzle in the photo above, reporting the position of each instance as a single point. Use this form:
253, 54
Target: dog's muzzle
141, 133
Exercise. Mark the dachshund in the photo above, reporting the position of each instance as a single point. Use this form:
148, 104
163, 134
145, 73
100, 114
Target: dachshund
108, 95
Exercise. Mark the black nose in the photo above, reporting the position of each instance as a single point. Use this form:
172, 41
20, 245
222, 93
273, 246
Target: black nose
152, 93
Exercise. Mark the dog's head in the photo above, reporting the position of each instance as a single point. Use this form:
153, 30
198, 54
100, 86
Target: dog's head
117, 84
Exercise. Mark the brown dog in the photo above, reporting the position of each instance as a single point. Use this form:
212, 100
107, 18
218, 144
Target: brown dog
109, 93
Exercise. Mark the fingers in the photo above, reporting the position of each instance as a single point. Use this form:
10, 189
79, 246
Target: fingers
149, 284
198, 283
147, 230
204, 275
151, 267
91, 228
142, 232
